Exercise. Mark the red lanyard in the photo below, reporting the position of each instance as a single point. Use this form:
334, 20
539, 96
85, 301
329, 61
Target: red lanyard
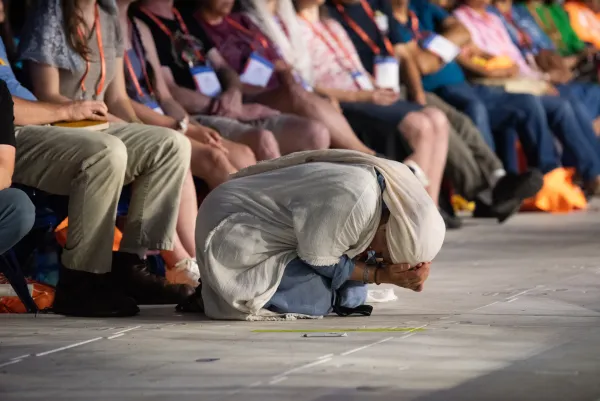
361, 33
98, 30
249, 33
333, 49
168, 32
140, 55
414, 25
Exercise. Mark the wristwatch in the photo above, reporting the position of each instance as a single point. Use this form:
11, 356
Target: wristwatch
183, 124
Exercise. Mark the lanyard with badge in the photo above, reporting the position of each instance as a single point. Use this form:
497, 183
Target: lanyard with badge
204, 75
102, 79
387, 69
149, 101
258, 70
431, 41
361, 80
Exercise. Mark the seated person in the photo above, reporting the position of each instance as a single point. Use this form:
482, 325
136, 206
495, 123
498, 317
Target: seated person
567, 117
465, 142
264, 259
526, 27
584, 20
203, 83
17, 213
91, 168
546, 60
240, 43
335, 71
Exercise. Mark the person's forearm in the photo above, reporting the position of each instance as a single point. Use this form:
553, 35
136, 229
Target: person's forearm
458, 34
122, 109
192, 101
150, 117
229, 79
472, 68
38, 113
173, 109
412, 77
344, 95
358, 274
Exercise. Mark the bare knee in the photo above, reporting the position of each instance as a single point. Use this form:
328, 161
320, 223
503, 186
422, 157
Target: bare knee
241, 155
262, 143
316, 136
417, 127
439, 121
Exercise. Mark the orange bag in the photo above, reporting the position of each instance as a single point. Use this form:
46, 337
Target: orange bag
62, 230
43, 296
558, 195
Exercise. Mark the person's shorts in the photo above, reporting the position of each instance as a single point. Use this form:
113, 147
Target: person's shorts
232, 129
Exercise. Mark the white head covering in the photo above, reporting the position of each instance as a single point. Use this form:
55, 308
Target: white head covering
293, 48
415, 231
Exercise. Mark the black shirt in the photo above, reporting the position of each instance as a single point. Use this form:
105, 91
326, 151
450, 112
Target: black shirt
7, 127
357, 13
178, 51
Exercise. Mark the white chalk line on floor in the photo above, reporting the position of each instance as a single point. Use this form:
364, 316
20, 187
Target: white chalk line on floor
18, 359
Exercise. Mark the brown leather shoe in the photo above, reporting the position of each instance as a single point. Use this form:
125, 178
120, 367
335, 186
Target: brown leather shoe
134, 278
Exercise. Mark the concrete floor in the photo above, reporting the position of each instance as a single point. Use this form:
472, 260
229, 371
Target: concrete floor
510, 313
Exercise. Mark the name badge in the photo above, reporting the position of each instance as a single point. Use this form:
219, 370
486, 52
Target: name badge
439, 45
258, 71
387, 72
206, 80
382, 21
302, 82
152, 104
363, 81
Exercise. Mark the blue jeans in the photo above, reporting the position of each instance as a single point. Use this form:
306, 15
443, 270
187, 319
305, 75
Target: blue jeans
17, 215
587, 95
392, 114
502, 117
572, 125
311, 290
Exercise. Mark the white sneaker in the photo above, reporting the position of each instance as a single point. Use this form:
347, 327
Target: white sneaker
184, 272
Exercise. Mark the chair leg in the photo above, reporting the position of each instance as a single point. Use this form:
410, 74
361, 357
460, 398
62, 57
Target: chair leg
17, 280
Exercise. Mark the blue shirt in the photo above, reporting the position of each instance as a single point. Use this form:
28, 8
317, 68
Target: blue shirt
522, 18
357, 13
431, 18
8, 76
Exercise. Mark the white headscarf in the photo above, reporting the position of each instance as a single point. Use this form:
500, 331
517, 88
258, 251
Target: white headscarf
415, 231
293, 48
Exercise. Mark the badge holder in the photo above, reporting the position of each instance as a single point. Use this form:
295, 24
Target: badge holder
363, 81
258, 71
387, 73
206, 80
440, 46
153, 104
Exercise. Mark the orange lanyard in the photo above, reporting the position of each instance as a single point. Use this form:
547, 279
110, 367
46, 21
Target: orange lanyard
361, 33
414, 25
140, 55
249, 33
101, 81
168, 32
333, 48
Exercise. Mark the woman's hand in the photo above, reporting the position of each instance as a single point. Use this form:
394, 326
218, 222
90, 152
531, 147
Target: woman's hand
403, 275
207, 136
384, 97
229, 104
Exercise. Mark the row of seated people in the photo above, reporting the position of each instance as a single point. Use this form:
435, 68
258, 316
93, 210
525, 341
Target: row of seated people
244, 87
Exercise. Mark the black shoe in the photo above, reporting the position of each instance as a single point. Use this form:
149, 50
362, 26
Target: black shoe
193, 304
511, 190
84, 294
134, 278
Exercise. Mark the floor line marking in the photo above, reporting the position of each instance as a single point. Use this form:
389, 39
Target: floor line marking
481, 307
115, 336
525, 292
303, 367
333, 330
278, 380
511, 300
20, 357
352, 351
126, 330
325, 356
66, 347
10, 362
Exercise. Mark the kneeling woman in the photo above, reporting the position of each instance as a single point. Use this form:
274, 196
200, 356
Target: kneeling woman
287, 236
